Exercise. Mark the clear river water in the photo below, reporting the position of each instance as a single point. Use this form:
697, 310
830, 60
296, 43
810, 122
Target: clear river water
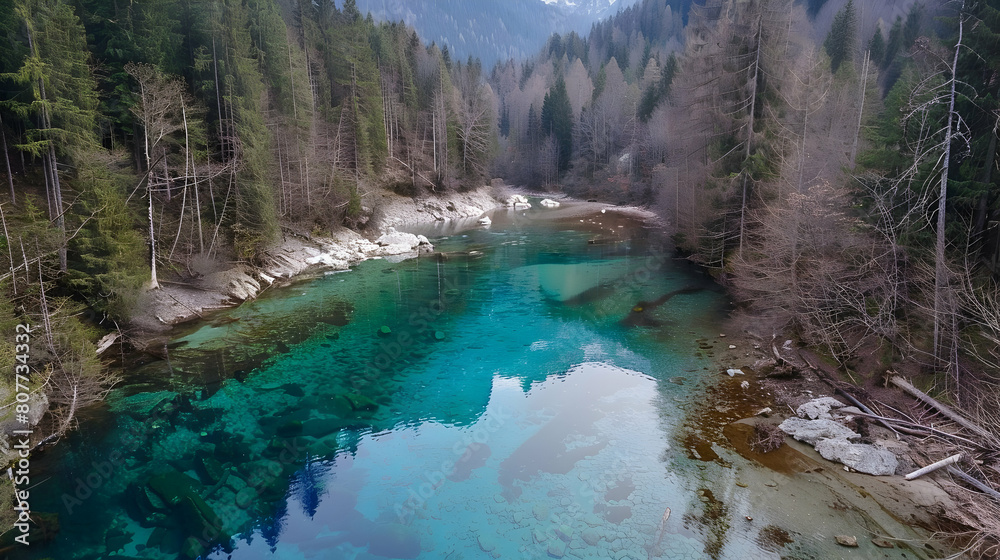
519, 394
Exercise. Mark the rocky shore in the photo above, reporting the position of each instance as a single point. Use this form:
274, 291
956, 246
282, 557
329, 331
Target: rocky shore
181, 300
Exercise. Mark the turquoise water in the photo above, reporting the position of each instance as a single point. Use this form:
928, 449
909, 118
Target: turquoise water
513, 396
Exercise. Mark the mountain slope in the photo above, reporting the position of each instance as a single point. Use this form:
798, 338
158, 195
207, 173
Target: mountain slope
493, 30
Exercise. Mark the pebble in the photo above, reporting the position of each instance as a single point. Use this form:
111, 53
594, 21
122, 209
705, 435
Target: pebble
845, 540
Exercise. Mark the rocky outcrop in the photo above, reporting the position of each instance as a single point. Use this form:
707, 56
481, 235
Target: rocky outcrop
813, 431
819, 408
816, 424
393, 210
394, 242
858, 456
518, 202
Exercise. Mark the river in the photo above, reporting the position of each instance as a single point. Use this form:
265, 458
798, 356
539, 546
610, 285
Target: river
521, 393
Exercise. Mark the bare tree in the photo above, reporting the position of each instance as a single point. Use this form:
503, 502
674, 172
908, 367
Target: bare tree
159, 113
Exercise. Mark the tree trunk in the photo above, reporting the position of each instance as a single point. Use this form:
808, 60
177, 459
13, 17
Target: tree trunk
940, 266
6, 159
194, 174
861, 110
55, 201
753, 108
10, 251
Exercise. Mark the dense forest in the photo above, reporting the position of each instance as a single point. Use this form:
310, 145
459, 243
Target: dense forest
832, 162
150, 141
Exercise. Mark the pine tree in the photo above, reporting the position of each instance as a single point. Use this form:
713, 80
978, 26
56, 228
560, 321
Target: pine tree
557, 120
839, 43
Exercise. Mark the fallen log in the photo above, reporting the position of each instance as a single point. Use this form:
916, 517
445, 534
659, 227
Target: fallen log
934, 466
937, 405
866, 410
974, 482
918, 429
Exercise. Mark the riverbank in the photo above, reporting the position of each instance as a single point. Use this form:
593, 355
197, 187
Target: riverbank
921, 514
212, 286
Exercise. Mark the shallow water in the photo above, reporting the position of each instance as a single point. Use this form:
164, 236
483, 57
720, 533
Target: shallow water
514, 396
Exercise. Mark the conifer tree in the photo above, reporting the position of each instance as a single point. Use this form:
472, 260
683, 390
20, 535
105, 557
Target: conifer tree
839, 43
557, 120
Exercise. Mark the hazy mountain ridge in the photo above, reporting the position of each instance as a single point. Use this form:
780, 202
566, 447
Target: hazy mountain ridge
495, 30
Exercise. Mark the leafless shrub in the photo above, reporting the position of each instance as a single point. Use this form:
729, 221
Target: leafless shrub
766, 438
977, 534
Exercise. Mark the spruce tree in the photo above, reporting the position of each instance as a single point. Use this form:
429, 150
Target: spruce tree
839, 43
876, 46
557, 120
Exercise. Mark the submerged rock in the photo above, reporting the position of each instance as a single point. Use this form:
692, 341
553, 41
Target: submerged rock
812, 431
557, 548
393, 540
591, 536
861, 457
209, 468
172, 486
486, 543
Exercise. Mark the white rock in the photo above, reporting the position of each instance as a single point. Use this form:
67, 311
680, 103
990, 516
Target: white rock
394, 242
485, 220
818, 408
734, 371
518, 201
549, 203
812, 431
859, 456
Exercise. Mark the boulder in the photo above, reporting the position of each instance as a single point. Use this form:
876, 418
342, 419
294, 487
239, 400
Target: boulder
819, 408
395, 242
209, 468
859, 456
549, 203
172, 486
518, 201
812, 431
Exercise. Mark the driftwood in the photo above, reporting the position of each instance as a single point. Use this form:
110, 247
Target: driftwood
866, 410
918, 429
976, 483
937, 405
934, 466
106, 342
